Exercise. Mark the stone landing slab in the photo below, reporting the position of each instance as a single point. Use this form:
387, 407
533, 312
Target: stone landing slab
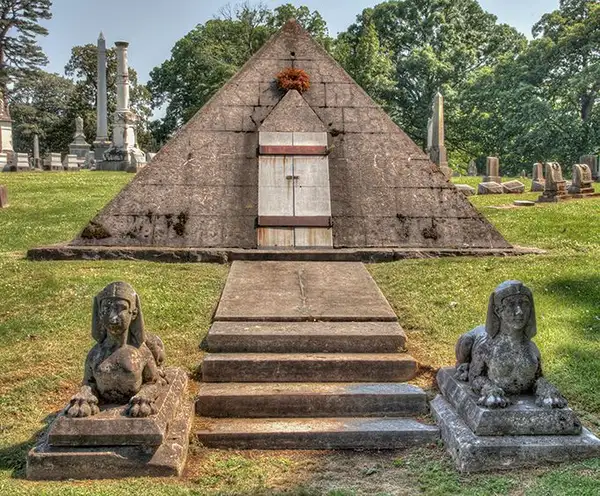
473, 453
302, 291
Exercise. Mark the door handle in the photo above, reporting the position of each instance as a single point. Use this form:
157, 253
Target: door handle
292, 177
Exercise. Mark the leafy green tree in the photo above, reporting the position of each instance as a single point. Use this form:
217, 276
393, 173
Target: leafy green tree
370, 64
19, 28
40, 103
434, 45
204, 59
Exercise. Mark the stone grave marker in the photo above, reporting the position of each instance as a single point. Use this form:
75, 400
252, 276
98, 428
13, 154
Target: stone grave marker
489, 188
513, 187
537, 177
496, 410
582, 183
79, 147
131, 417
593, 163
3, 196
555, 187
472, 171
19, 163
492, 171
53, 162
71, 163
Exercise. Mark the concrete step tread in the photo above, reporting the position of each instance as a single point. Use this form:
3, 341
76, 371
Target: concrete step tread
288, 425
315, 433
306, 328
306, 337
309, 388
316, 357
310, 399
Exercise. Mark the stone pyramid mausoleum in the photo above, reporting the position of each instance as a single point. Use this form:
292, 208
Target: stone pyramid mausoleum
258, 167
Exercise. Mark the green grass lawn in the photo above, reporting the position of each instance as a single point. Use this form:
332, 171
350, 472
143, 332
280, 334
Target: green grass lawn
45, 311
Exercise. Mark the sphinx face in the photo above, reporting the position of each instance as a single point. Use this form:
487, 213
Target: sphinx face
116, 316
515, 312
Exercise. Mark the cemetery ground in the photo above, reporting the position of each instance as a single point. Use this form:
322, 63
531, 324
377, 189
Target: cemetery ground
45, 315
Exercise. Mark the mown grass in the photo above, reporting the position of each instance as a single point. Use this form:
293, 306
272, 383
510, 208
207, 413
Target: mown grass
45, 326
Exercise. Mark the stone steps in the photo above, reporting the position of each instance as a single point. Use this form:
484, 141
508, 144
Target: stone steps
315, 433
262, 400
305, 337
315, 367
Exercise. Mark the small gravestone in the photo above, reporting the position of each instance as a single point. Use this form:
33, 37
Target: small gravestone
489, 188
90, 161
593, 163
523, 203
582, 183
513, 187
71, 163
465, 189
472, 171
131, 416
492, 171
555, 188
19, 162
496, 410
537, 177
3, 196
53, 162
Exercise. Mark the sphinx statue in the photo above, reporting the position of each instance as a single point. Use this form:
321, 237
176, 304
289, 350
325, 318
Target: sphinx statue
498, 359
125, 365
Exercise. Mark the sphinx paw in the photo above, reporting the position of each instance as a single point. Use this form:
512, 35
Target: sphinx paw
551, 400
493, 397
83, 404
141, 406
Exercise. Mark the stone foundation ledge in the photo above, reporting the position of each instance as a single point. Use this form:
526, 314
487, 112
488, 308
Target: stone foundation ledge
472, 453
228, 255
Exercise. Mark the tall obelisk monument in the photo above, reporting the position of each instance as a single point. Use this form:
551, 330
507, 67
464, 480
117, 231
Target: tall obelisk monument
437, 151
124, 147
101, 143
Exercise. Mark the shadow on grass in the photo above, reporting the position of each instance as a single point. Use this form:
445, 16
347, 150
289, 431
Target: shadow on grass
583, 293
15, 457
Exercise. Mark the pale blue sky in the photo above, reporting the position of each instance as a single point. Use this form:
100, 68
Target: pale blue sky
153, 26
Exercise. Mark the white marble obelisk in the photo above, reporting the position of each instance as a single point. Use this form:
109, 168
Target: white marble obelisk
124, 147
437, 151
101, 143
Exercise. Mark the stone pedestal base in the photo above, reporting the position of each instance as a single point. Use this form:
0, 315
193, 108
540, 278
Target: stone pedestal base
473, 453
110, 445
3, 197
553, 197
100, 147
537, 186
522, 418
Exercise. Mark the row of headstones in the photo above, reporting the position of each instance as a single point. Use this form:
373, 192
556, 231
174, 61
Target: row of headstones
21, 162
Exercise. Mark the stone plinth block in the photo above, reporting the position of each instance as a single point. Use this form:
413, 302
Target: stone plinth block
538, 186
465, 189
489, 188
513, 187
53, 162
522, 418
3, 196
473, 453
110, 445
71, 163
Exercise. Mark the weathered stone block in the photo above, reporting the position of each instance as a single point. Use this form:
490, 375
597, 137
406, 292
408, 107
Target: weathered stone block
465, 189
513, 187
523, 418
473, 453
537, 186
489, 188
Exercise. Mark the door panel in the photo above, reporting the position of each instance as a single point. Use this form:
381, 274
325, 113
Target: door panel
311, 194
276, 186
320, 237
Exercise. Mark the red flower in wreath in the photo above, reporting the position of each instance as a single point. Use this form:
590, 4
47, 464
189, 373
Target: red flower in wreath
293, 79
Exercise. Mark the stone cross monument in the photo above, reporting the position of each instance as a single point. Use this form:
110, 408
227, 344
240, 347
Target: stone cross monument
123, 153
437, 149
79, 146
101, 143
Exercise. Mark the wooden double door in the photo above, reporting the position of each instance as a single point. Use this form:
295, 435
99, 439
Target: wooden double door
294, 201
